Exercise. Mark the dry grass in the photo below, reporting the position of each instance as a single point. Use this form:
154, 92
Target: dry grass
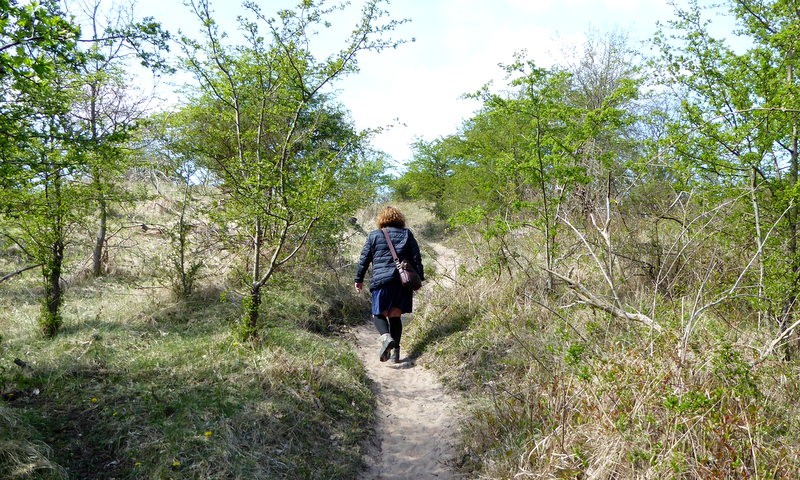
141, 385
559, 390
20, 455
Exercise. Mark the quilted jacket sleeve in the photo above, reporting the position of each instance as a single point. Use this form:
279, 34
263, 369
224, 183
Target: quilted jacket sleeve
367, 252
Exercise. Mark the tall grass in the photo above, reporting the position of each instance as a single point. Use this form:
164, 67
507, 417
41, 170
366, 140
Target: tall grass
559, 390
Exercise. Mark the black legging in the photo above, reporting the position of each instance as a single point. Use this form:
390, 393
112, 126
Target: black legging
393, 326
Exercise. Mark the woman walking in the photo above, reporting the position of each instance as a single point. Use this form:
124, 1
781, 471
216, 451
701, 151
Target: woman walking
389, 298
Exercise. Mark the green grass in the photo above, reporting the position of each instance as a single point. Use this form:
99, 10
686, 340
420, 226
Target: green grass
137, 385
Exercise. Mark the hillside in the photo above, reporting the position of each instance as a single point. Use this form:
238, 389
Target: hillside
141, 384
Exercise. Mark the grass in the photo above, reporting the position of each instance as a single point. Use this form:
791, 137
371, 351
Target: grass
138, 385
161, 394
569, 392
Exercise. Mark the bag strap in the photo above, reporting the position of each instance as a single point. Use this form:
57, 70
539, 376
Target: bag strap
391, 247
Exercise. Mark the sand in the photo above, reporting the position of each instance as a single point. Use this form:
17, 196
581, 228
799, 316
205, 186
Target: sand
416, 427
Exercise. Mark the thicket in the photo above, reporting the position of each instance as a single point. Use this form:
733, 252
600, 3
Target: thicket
629, 304
143, 383
627, 227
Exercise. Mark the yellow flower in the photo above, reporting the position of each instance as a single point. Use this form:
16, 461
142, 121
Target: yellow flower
94, 400
208, 433
176, 464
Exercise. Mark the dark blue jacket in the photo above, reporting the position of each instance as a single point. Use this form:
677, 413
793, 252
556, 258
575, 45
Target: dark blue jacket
376, 251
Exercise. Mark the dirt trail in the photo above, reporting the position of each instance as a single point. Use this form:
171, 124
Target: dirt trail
417, 418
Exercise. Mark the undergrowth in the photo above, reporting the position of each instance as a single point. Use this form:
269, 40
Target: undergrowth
169, 393
556, 389
141, 385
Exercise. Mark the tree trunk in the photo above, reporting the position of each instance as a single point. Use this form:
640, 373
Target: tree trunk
549, 230
758, 237
791, 299
253, 307
100, 255
186, 281
100, 241
51, 321
254, 303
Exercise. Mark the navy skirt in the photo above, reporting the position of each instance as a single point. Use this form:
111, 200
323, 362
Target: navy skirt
392, 295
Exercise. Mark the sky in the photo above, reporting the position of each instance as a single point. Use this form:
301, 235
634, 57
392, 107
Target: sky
457, 48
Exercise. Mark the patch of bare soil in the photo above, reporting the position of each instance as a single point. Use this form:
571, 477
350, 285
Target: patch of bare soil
445, 263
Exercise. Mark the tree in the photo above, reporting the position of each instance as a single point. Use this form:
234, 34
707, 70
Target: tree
33, 39
428, 175
738, 132
40, 157
173, 159
49, 83
536, 151
109, 108
605, 80
271, 133
525, 157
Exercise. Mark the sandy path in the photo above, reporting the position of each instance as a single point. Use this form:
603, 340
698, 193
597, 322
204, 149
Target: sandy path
417, 421
445, 263
416, 425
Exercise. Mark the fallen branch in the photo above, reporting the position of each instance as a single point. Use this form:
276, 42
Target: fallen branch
771, 347
592, 300
12, 274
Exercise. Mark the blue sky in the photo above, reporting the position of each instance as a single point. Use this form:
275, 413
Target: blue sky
459, 44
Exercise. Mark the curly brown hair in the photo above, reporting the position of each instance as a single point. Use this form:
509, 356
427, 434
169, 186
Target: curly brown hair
390, 217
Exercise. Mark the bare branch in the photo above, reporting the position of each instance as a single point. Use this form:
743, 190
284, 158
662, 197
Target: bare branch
771, 347
12, 274
592, 300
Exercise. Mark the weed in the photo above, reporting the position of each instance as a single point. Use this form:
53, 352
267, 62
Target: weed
569, 393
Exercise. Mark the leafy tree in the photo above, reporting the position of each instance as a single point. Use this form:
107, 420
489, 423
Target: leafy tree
65, 134
535, 150
264, 125
738, 132
109, 108
428, 175
33, 39
40, 158
605, 81
528, 155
